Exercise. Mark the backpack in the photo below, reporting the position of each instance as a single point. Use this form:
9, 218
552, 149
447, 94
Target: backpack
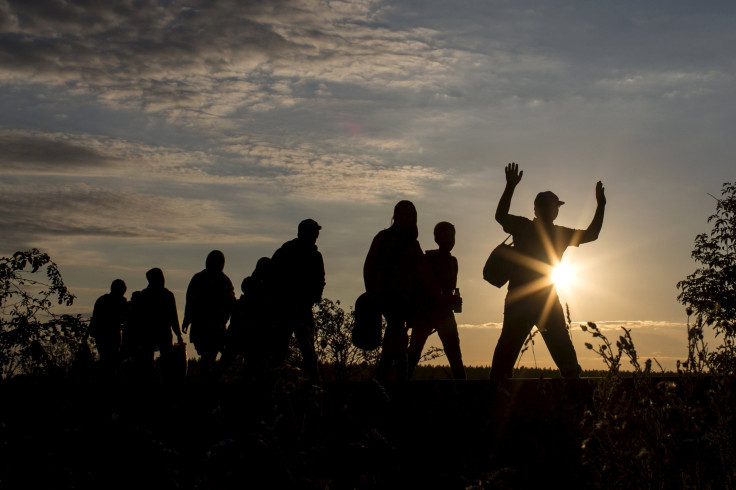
501, 264
368, 323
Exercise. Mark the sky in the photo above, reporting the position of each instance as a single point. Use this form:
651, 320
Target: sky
139, 134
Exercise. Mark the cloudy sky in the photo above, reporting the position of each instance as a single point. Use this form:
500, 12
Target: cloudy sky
137, 134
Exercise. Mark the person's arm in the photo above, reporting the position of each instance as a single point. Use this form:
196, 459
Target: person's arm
188, 305
372, 267
591, 233
513, 177
320, 286
230, 293
175, 318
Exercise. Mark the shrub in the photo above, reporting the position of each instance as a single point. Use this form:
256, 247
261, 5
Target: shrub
33, 338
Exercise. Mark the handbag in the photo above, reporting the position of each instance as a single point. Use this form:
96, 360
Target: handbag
367, 329
500, 265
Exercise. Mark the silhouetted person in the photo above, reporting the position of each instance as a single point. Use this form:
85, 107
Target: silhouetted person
532, 298
153, 319
395, 275
438, 314
106, 326
251, 331
210, 298
298, 282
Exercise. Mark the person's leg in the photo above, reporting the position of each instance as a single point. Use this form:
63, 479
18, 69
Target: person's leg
395, 342
304, 333
207, 348
108, 357
447, 331
419, 334
555, 335
516, 327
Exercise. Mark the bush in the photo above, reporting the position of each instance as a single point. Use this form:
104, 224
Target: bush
33, 338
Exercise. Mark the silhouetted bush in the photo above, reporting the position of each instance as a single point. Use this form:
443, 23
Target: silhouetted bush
34, 339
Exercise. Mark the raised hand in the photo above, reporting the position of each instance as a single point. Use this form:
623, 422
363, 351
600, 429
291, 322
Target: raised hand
513, 176
600, 195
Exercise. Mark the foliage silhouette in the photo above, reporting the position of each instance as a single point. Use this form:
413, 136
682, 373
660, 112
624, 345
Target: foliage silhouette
33, 338
710, 292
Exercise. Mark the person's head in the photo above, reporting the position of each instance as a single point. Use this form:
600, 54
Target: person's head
308, 230
215, 261
155, 277
405, 215
547, 206
118, 287
404, 220
444, 235
263, 266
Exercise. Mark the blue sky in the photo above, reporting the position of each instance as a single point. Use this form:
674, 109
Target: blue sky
142, 134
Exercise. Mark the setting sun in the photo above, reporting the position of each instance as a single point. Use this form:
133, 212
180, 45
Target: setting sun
563, 275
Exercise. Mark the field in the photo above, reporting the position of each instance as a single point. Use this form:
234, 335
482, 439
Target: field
431, 433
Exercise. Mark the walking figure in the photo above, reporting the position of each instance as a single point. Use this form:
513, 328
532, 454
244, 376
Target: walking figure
396, 276
153, 319
210, 297
251, 330
439, 314
532, 298
298, 282
108, 317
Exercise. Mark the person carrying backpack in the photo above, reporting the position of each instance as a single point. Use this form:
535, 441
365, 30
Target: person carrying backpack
532, 298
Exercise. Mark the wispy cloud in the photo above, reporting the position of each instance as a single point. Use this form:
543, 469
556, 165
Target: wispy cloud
300, 171
602, 325
43, 212
30, 151
193, 60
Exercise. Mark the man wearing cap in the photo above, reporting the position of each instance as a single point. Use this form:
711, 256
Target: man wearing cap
532, 298
298, 281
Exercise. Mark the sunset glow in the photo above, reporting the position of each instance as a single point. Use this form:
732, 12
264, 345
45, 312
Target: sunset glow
563, 275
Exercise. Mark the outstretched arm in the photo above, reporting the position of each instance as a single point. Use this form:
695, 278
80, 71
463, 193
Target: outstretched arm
513, 177
591, 233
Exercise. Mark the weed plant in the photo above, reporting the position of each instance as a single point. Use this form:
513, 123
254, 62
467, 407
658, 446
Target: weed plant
644, 430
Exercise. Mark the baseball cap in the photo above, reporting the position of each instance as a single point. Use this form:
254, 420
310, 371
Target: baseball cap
308, 224
547, 198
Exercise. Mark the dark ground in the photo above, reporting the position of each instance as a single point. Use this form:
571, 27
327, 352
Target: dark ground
290, 434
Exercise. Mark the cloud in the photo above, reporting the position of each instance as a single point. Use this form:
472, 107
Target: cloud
637, 324
34, 213
489, 325
34, 151
602, 325
302, 171
192, 60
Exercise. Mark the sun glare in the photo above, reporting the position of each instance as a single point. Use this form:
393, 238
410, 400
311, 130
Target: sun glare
563, 275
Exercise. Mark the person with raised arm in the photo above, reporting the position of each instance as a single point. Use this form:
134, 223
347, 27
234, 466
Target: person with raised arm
532, 297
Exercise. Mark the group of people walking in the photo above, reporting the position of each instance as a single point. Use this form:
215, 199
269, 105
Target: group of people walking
414, 290
128, 333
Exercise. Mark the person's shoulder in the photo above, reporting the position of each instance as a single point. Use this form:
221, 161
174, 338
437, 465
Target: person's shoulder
198, 276
381, 236
517, 224
564, 229
519, 219
286, 248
